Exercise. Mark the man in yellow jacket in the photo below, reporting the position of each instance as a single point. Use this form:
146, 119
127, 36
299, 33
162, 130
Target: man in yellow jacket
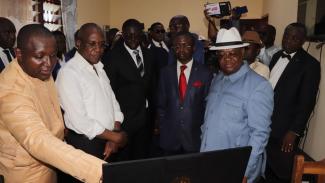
31, 124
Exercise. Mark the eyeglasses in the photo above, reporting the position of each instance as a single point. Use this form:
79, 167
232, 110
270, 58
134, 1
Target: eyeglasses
162, 31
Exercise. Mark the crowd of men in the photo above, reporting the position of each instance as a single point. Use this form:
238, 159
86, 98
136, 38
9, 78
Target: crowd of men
137, 96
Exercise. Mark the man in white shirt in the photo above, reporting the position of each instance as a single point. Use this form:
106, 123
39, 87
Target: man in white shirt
7, 41
91, 112
267, 33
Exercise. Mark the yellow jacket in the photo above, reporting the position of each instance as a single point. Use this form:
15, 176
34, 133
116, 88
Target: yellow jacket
31, 133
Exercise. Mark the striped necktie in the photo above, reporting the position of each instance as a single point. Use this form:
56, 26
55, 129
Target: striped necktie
139, 62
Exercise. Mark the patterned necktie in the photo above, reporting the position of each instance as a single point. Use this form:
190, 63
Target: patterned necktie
160, 44
182, 83
139, 62
7, 52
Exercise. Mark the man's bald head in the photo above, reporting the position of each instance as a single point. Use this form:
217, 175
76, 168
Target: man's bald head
36, 51
86, 28
29, 31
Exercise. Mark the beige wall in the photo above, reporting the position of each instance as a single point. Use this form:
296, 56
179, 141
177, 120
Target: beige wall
115, 12
315, 145
281, 13
96, 11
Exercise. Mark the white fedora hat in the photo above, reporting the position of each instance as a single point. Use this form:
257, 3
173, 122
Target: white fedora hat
228, 39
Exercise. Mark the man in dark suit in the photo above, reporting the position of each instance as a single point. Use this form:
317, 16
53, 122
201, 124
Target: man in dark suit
7, 41
129, 68
159, 50
183, 87
158, 46
295, 77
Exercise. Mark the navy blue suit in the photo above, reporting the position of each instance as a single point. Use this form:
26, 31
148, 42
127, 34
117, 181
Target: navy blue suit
180, 122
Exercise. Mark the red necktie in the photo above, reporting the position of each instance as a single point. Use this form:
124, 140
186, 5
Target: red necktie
182, 84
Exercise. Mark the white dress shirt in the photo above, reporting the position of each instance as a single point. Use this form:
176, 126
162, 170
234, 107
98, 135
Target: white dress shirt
4, 57
278, 69
134, 55
156, 43
87, 99
187, 71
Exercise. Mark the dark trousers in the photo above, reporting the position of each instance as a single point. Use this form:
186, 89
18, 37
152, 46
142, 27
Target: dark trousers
279, 164
178, 151
137, 147
94, 147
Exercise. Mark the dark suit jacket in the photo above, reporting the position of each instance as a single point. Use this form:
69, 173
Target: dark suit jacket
294, 99
295, 94
70, 54
131, 90
160, 58
180, 122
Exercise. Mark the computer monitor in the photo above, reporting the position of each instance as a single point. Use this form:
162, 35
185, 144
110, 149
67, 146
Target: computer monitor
209, 167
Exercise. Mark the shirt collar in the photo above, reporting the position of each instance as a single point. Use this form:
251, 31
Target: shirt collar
85, 64
131, 51
270, 48
1, 49
156, 43
235, 76
188, 65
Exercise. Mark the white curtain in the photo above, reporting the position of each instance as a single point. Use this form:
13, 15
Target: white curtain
18, 11
69, 19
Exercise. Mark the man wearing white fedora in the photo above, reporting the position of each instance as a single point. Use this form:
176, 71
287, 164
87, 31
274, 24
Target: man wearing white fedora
239, 105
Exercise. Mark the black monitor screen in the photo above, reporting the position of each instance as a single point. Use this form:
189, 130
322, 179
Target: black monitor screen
209, 167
